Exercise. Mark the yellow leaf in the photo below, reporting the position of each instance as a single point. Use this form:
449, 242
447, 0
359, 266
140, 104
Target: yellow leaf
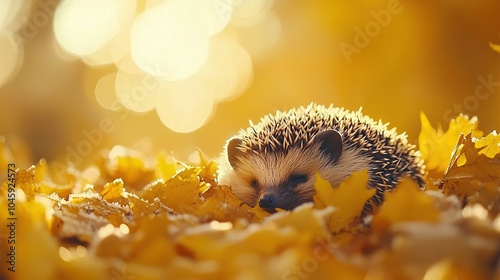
267, 241
164, 169
404, 204
181, 193
221, 204
348, 199
474, 170
303, 218
490, 145
259, 212
129, 165
49, 188
5, 153
495, 47
83, 213
436, 146
33, 241
447, 269
25, 181
141, 207
324, 193
221, 245
207, 175
113, 190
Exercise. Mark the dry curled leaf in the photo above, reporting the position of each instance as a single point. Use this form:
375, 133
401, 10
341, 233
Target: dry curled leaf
436, 145
113, 191
181, 193
25, 180
221, 204
474, 172
128, 165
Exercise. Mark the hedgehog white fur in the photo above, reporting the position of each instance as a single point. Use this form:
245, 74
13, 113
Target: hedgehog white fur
273, 163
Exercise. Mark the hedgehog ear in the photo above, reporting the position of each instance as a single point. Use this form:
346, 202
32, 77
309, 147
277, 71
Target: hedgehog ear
233, 152
330, 144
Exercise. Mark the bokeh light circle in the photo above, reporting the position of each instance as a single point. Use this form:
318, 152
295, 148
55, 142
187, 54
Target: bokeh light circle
10, 56
82, 27
184, 107
228, 68
13, 14
137, 92
105, 92
169, 40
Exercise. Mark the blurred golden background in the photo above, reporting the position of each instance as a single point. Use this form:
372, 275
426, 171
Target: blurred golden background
59, 88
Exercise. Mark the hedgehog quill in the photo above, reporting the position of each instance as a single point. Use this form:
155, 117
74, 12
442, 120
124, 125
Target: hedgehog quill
273, 163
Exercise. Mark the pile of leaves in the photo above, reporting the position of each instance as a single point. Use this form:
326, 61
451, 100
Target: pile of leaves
127, 217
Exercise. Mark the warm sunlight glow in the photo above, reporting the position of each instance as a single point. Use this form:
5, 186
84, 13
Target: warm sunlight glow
136, 92
105, 92
158, 47
227, 68
9, 57
184, 107
170, 40
82, 27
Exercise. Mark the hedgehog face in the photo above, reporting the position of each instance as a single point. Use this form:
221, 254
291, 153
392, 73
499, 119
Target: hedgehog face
284, 179
269, 180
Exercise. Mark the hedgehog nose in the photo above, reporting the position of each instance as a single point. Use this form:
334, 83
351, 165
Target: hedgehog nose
267, 201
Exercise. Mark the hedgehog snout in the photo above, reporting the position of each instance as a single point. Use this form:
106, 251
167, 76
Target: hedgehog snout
270, 201
267, 201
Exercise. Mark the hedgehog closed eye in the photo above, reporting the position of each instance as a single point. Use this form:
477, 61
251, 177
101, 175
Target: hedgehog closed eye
254, 184
299, 178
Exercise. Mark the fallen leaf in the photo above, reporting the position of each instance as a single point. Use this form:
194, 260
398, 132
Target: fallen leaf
221, 204
181, 193
129, 165
474, 171
490, 145
348, 199
164, 169
436, 146
113, 191
405, 203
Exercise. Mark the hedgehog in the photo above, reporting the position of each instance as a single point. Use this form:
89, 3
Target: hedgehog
273, 163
